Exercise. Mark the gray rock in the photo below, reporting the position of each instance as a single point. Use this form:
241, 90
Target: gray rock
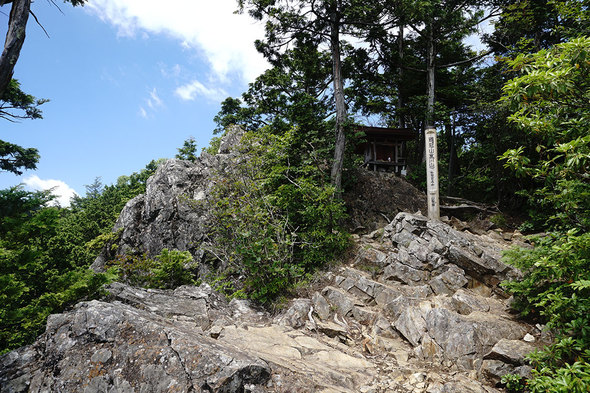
321, 306
464, 386
510, 351
465, 303
465, 339
449, 281
386, 296
437, 243
494, 370
232, 137
397, 271
339, 300
370, 257
396, 306
416, 292
190, 302
171, 213
408, 258
99, 347
412, 324
296, 315
164, 217
331, 329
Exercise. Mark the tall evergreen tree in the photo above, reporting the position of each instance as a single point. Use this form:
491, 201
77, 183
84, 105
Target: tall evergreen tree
325, 21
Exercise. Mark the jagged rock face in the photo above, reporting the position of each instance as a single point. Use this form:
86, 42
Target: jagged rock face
165, 216
418, 310
433, 252
169, 214
116, 347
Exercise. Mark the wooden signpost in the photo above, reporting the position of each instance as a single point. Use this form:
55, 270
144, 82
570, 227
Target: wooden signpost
432, 174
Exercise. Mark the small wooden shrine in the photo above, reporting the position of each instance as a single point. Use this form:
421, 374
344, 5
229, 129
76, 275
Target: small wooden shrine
385, 148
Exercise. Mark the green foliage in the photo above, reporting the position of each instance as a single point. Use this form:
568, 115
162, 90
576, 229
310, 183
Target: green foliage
232, 113
188, 151
16, 104
45, 252
274, 216
293, 93
214, 145
556, 290
551, 99
553, 288
33, 284
499, 220
14, 158
525, 26
571, 378
168, 270
514, 383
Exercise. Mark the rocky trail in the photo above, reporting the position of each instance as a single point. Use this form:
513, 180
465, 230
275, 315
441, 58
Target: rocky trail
418, 309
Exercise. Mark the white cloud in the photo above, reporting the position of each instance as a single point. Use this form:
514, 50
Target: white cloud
211, 28
154, 101
190, 91
170, 72
61, 190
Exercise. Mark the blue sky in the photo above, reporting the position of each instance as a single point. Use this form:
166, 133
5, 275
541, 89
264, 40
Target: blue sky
128, 80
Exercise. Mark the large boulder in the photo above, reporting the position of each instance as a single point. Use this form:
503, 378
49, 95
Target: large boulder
171, 214
115, 347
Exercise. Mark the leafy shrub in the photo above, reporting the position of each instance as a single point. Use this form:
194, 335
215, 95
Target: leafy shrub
214, 145
188, 151
45, 252
550, 100
499, 220
556, 289
274, 217
514, 383
168, 270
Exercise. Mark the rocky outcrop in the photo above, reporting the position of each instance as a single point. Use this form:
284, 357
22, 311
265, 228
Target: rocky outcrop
418, 310
433, 252
170, 213
114, 347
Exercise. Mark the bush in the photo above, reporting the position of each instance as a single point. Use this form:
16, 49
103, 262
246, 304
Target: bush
550, 100
274, 217
556, 290
167, 271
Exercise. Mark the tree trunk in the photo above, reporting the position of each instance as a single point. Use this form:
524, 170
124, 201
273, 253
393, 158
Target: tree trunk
453, 158
336, 174
430, 68
15, 37
400, 97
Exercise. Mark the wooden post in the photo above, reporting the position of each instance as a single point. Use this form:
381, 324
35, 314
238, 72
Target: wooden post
432, 174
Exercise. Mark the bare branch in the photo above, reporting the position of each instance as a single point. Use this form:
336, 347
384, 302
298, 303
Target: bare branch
56, 6
475, 58
40, 25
